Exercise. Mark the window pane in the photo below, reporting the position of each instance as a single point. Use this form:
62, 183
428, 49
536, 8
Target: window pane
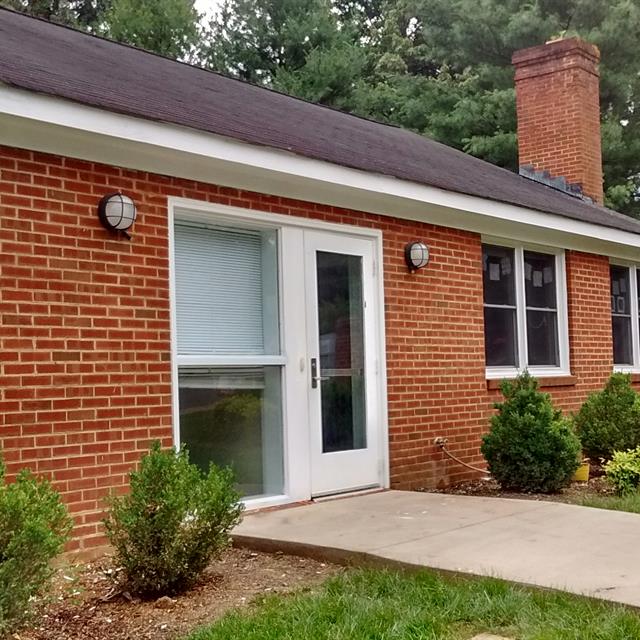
540, 280
498, 275
622, 340
232, 417
226, 291
500, 337
621, 315
542, 338
620, 294
341, 339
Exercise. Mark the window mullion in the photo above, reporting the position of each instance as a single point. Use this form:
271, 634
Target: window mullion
521, 313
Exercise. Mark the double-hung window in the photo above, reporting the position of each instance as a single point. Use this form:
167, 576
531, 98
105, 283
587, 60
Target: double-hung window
525, 315
228, 353
625, 316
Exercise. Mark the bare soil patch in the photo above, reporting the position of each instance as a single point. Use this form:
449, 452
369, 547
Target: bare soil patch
83, 604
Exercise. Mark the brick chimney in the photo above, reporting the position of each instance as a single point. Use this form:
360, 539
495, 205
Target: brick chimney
557, 101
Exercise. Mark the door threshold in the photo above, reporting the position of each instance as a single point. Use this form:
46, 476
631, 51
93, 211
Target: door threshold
348, 494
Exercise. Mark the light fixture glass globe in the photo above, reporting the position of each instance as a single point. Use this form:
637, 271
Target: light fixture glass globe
416, 255
117, 212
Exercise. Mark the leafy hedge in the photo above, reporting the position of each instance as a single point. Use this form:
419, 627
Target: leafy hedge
623, 471
530, 446
175, 519
34, 526
609, 420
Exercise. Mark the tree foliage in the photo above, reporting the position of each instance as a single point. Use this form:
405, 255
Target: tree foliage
297, 47
63, 11
167, 27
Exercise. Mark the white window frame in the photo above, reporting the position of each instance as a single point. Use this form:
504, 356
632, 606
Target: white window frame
185, 361
498, 373
635, 319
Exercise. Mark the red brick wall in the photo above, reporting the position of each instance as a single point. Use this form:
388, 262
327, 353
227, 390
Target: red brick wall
85, 329
557, 98
590, 335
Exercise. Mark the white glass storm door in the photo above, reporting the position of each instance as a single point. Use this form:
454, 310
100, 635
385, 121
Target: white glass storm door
342, 348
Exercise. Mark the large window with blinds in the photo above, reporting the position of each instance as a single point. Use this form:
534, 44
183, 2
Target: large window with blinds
525, 314
228, 352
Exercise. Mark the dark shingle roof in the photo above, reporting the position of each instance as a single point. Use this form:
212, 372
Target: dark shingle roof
38, 56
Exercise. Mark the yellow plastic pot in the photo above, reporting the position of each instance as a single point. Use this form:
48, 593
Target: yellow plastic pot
582, 473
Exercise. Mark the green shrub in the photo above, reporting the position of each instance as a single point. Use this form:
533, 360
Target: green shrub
609, 420
175, 519
34, 525
530, 446
623, 471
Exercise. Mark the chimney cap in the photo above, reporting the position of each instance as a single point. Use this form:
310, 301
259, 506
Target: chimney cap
554, 49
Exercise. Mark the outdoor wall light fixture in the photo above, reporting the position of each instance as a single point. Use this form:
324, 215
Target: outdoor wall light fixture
117, 212
416, 255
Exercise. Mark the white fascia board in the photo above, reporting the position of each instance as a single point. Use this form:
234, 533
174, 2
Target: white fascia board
44, 123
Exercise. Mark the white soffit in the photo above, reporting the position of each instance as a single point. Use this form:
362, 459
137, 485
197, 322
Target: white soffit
44, 123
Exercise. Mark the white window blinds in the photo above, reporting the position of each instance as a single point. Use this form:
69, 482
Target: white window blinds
222, 277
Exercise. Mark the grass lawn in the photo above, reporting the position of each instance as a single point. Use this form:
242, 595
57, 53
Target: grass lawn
386, 605
629, 503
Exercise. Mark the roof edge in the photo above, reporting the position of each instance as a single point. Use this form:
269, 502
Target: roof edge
193, 66
61, 127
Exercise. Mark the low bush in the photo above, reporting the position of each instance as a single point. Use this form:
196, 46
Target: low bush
609, 420
34, 526
175, 519
530, 446
623, 471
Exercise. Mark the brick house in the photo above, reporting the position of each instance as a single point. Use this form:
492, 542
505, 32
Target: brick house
261, 309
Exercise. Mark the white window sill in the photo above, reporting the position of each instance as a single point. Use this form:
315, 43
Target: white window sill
545, 377
501, 373
626, 369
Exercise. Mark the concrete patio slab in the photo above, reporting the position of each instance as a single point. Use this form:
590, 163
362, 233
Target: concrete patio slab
578, 549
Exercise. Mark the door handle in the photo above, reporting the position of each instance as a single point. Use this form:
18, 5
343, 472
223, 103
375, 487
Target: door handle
315, 378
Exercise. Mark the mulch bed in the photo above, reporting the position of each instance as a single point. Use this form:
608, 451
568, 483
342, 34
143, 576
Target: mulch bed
84, 605
597, 485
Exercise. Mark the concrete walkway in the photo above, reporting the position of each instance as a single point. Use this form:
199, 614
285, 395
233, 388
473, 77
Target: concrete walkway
578, 549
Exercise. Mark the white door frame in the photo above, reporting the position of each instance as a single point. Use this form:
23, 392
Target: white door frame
357, 468
295, 356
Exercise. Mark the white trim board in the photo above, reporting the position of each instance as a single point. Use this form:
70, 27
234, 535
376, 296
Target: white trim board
44, 123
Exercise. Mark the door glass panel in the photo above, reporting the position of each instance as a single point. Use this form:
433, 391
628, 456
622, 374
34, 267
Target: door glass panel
341, 340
